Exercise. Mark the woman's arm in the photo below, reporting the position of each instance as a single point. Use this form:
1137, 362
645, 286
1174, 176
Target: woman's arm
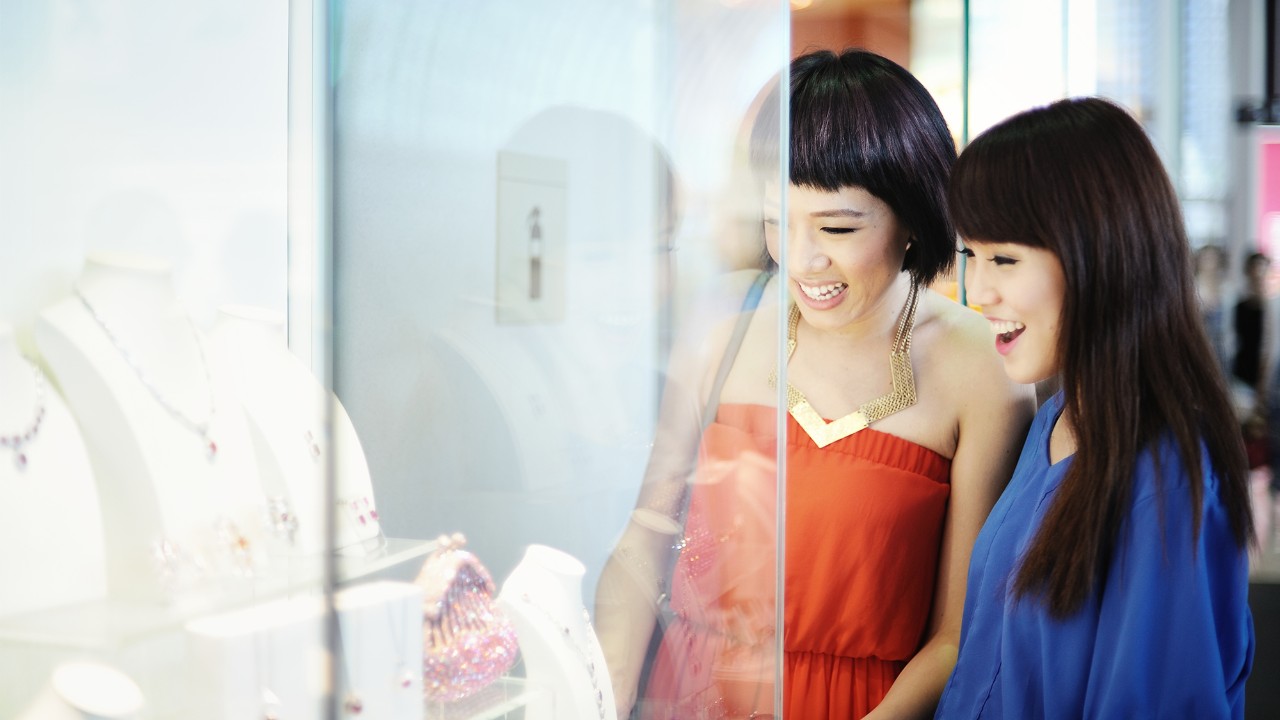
627, 595
993, 415
1174, 636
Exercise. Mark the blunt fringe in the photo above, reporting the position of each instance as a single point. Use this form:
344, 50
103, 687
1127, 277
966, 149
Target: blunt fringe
859, 119
1081, 179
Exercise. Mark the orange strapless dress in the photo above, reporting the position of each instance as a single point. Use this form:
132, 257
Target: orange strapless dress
864, 524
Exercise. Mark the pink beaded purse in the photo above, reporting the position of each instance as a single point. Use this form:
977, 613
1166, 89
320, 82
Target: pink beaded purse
467, 642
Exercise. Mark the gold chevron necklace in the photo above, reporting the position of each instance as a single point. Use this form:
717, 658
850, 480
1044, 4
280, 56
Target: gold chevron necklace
901, 397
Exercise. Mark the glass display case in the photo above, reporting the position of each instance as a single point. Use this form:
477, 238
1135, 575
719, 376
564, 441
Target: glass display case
359, 357
191, 528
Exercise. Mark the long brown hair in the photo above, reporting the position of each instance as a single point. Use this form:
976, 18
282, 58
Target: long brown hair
1080, 178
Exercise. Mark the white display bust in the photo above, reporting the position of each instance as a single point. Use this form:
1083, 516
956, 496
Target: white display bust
168, 442
86, 691
52, 529
286, 407
543, 598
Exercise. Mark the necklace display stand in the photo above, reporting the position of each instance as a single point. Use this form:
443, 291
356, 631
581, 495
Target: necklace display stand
167, 440
543, 599
86, 691
50, 520
264, 662
260, 663
286, 407
380, 651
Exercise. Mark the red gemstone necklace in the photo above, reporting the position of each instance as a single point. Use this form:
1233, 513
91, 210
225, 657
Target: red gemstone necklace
17, 441
199, 427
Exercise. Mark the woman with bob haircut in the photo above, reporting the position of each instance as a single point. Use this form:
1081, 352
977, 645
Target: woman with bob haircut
891, 464
1111, 579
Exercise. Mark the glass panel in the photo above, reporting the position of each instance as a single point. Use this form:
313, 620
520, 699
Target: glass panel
545, 230
163, 451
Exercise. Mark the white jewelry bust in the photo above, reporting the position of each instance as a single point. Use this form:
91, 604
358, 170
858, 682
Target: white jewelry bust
86, 691
181, 499
543, 598
286, 406
50, 523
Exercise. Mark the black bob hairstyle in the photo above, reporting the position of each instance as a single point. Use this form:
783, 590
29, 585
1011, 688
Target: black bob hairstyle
859, 119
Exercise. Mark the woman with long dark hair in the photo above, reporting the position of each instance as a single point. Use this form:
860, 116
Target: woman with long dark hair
1111, 578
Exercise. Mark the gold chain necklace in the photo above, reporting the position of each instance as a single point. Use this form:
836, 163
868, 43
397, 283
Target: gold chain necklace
901, 397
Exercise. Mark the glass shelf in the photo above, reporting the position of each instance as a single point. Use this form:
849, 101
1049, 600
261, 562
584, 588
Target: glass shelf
498, 700
109, 624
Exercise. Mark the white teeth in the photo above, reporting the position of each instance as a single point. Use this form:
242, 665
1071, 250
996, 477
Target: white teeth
823, 292
1006, 327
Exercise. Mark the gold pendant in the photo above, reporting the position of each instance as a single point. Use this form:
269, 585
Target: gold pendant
822, 432
902, 396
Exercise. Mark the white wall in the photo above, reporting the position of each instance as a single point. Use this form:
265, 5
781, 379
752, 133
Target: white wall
143, 126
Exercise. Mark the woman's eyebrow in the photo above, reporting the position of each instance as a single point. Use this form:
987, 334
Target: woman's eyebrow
841, 212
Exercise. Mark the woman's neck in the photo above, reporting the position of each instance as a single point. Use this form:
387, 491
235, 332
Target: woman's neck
1062, 439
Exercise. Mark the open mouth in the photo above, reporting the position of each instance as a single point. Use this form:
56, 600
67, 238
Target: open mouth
1006, 331
822, 292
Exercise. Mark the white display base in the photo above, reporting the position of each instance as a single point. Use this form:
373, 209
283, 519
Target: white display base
286, 407
543, 598
86, 691
155, 476
52, 527
271, 656
268, 657
380, 643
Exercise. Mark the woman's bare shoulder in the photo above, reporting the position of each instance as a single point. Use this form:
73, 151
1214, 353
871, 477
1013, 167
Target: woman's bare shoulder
957, 342
954, 327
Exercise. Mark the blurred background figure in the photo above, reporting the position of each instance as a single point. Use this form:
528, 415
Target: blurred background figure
1248, 321
1211, 265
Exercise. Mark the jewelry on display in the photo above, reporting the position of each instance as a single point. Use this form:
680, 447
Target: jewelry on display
361, 510
313, 446
280, 520
176, 568
199, 427
586, 652
900, 398
236, 546
17, 441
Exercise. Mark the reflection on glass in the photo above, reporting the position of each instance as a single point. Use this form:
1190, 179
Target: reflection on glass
509, 306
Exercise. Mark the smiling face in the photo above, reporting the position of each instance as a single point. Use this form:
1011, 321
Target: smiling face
1020, 289
844, 251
